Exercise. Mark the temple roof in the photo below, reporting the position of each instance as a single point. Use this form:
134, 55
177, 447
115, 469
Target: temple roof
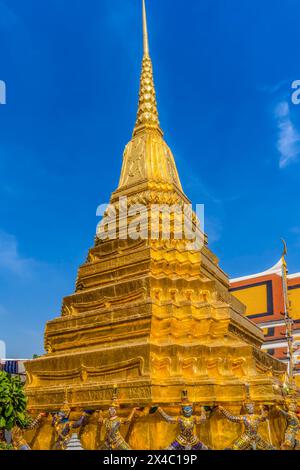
276, 269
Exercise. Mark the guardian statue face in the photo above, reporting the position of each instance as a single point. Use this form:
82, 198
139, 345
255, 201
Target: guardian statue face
62, 415
187, 411
249, 408
112, 412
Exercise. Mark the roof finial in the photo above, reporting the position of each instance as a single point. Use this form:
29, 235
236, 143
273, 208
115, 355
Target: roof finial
284, 253
145, 31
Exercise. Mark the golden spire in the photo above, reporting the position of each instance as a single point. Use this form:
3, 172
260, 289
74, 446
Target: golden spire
287, 317
147, 115
145, 31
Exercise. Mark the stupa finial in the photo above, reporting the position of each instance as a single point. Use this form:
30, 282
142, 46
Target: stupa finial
147, 115
145, 31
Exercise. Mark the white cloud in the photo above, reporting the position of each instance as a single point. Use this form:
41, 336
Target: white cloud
288, 143
10, 258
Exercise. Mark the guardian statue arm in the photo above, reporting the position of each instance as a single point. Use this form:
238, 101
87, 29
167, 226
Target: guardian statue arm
202, 418
264, 414
166, 417
229, 416
35, 422
130, 417
284, 413
101, 418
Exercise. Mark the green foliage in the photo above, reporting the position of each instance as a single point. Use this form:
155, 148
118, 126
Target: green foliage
4, 446
12, 402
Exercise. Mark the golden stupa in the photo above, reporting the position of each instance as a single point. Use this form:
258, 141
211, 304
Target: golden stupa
152, 317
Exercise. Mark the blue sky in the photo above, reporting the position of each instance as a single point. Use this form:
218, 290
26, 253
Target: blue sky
223, 73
